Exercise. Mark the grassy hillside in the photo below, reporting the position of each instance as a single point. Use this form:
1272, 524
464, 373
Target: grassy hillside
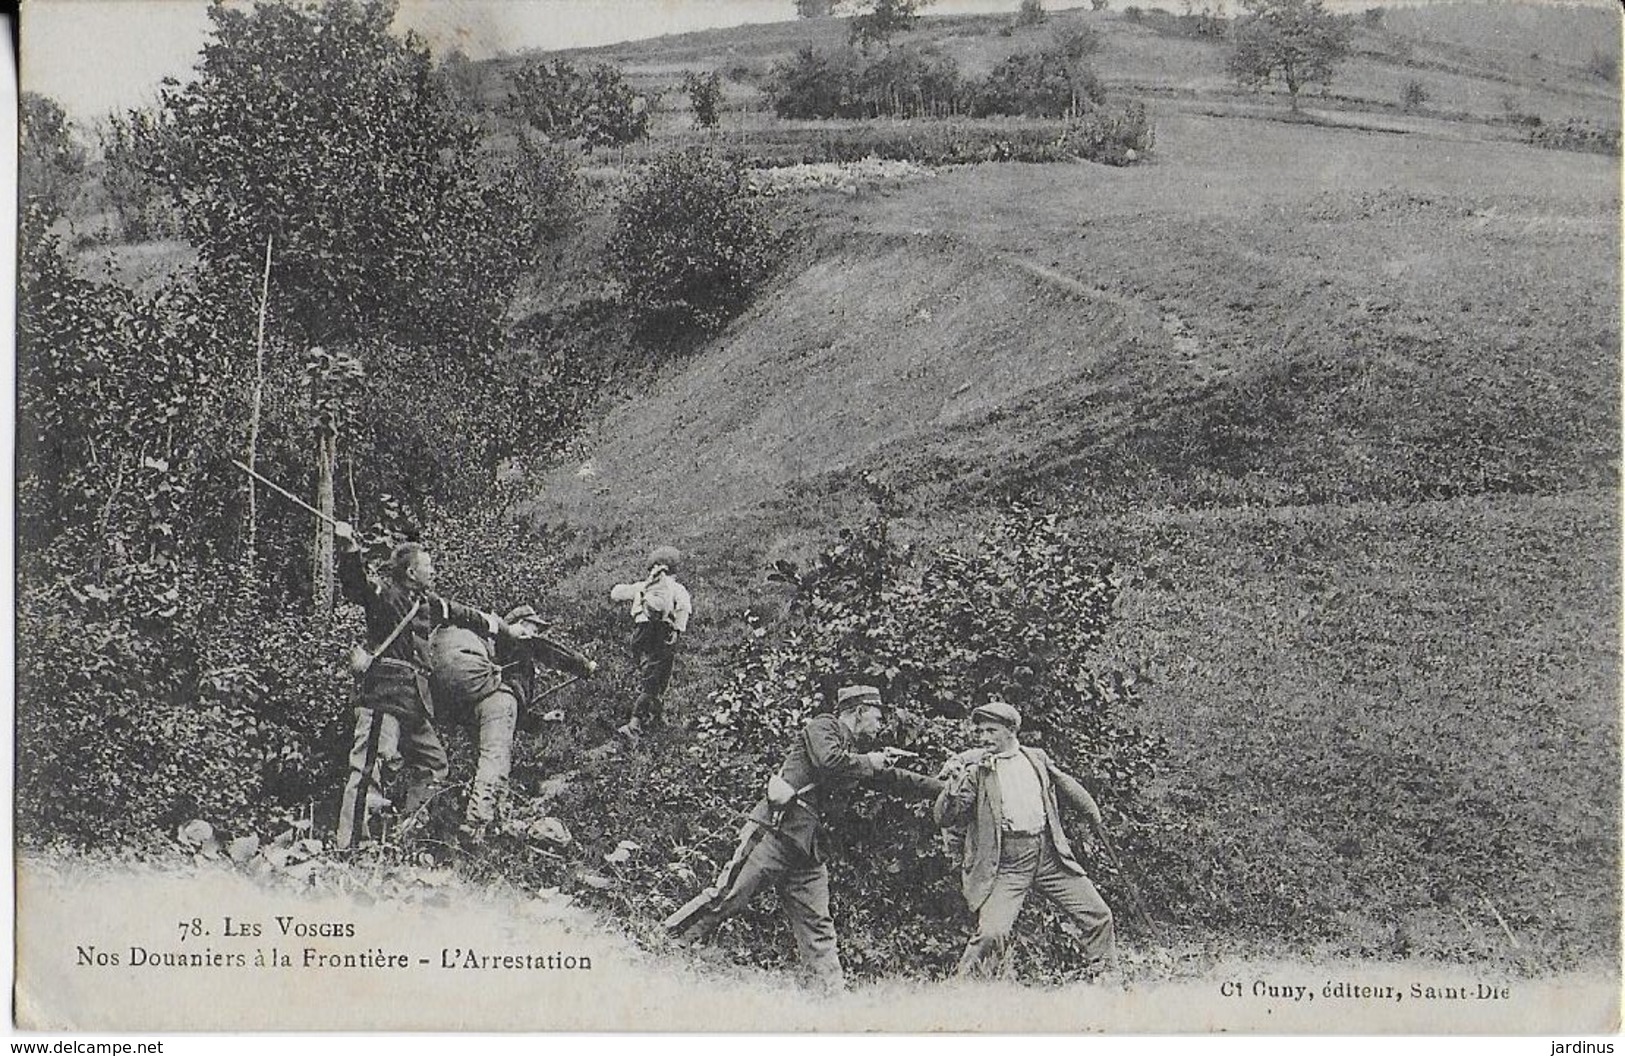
1343, 406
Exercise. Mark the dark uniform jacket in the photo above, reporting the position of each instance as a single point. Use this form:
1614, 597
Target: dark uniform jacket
395, 681
971, 801
822, 757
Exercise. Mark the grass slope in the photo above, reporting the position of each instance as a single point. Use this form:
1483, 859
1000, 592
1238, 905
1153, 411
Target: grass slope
1344, 402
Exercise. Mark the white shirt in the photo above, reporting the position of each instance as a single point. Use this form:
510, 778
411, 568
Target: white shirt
659, 597
1021, 792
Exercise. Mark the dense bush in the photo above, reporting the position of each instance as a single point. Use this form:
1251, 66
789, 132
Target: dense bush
1576, 134
1051, 81
953, 141
596, 107
813, 83
691, 245
1413, 95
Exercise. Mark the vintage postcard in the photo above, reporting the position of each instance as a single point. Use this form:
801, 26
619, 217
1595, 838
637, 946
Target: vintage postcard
818, 515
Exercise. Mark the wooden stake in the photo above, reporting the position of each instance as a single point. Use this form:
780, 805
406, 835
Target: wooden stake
259, 397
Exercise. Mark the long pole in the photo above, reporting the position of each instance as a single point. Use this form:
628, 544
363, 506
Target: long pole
259, 397
285, 493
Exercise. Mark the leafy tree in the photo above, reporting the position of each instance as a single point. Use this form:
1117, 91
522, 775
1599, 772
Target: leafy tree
314, 125
691, 243
139, 202
597, 106
1050, 81
1031, 13
1298, 42
704, 95
813, 83
878, 21
50, 162
815, 8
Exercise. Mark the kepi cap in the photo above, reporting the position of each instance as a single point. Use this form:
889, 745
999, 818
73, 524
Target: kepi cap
997, 711
858, 696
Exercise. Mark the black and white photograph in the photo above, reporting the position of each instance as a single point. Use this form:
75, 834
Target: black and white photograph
733, 516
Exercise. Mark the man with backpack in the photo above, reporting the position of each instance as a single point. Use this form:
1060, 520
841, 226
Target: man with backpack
488, 683
783, 842
393, 730
660, 608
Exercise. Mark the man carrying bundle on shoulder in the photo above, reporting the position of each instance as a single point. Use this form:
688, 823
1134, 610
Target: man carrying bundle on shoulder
393, 719
783, 842
660, 608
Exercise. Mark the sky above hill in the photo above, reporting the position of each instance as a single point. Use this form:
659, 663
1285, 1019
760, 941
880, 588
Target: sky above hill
95, 56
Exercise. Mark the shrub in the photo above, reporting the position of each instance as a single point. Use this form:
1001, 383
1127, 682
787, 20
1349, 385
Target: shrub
704, 96
812, 84
1413, 95
904, 82
1031, 13
597, 107
1576, 134
1112, 135
691, 245
1099, 5
1049, 82
1133, 13
1603, 65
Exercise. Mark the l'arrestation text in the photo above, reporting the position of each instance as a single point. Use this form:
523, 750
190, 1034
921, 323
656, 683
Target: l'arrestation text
1340, 990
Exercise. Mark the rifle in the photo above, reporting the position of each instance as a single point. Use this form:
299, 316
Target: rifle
1130, 888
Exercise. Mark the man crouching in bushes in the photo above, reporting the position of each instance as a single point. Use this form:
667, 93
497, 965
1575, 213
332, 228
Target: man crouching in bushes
782, 842
487, 684
1003, 796
393, 727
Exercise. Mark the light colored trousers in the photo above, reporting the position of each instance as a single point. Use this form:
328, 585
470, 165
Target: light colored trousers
495, 719
1027, 862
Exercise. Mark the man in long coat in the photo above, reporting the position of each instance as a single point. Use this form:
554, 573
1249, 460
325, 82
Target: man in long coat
1005, 798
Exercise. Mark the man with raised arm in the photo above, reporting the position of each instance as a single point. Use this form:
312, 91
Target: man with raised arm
393, 728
